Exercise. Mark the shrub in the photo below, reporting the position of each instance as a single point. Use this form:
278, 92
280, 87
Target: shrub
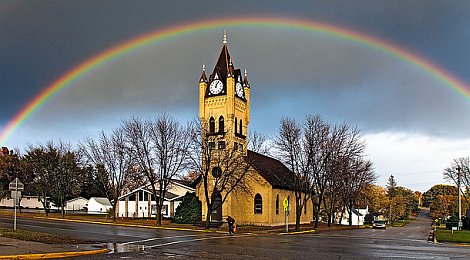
189, 211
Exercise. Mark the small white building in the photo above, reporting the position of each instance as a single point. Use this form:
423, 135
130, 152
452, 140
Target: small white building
140, 203
76, 204
358, 216
97, 205
27, 202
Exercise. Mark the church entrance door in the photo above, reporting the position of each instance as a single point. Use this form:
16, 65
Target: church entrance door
216, 213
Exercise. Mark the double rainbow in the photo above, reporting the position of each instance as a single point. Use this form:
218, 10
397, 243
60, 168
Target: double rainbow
160, 35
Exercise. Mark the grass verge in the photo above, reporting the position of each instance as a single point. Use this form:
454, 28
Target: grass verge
38, 237
460, 236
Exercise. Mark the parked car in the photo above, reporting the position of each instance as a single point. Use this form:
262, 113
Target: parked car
379, 224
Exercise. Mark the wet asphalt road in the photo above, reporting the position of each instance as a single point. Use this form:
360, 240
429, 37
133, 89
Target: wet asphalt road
409, 242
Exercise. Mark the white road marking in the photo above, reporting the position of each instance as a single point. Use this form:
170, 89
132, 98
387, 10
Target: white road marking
193, 240
155, 238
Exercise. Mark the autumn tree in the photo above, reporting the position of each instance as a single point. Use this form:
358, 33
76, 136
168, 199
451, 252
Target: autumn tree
112, 163
222, 168
440, 189
55, 172
160, 148
67, 176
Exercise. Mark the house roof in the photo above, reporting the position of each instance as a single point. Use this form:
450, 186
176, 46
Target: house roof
74, 199
274, 171
102, 201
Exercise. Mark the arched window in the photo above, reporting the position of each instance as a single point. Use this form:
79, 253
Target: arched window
211, 125
277, 204
236, 123
258, 204
221, 124
240, 132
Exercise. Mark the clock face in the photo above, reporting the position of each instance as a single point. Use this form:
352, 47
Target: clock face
239, 89
216, 87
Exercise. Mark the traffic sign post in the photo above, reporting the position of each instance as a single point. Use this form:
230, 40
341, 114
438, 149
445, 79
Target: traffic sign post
16, 187
286, 213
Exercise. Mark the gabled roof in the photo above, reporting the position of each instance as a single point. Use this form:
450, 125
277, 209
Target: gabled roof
74, 199
274, 171
100, 200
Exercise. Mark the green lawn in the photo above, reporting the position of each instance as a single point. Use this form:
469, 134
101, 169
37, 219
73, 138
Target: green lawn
38, 237
445, 235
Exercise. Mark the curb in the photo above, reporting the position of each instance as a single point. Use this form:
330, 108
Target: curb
56, 255
298, 232
132, 225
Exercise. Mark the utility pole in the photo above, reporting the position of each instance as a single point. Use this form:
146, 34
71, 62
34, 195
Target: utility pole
460, 202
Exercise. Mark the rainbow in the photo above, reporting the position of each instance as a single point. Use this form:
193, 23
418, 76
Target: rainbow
127, 47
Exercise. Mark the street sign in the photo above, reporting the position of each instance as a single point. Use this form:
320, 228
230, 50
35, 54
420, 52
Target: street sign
16, 185
286, 204
15, 194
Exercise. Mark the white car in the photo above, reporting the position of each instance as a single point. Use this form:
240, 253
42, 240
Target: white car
379, 224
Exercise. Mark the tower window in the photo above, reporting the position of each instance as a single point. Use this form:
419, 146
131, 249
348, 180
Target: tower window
221, 145
236, 123
211, 145
240, 132
211, 125
221, 124
240, 147
235, 146
258, 204
277, 204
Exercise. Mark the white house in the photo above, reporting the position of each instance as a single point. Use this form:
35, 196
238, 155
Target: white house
140, 203
76, 204
27, 202
97, 205
358, 216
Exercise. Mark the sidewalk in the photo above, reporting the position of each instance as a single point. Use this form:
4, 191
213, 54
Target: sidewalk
13, 247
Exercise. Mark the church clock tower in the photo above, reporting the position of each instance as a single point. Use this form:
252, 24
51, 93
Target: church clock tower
224, 102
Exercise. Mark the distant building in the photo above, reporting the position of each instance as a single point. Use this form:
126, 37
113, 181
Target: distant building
358, 216
140, 203
97, 205
76, 204
27, 202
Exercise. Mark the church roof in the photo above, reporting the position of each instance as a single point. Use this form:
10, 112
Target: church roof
223, 66
274, 171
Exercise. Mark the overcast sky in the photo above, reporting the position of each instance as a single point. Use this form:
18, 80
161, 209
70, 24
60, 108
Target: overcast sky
414, 124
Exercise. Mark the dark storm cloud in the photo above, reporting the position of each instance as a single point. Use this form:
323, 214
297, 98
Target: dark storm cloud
47, 38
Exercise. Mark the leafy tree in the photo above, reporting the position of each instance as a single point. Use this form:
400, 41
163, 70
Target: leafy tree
391, 184
375, 197
189, 211
436, 190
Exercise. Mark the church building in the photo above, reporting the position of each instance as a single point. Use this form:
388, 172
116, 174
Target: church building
224, 102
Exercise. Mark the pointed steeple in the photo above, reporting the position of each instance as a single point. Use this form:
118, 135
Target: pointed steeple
203, 75
245, 81
223, 62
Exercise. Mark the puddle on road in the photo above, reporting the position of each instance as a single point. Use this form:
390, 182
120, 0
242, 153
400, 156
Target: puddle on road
124, 248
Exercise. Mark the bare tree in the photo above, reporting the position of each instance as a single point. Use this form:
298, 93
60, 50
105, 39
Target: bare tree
222, 168
451, 173
259, 143
112, 162
291, 145
317, 146
161, 150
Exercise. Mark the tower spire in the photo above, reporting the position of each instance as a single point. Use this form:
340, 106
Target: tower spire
203, 75
225, 37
